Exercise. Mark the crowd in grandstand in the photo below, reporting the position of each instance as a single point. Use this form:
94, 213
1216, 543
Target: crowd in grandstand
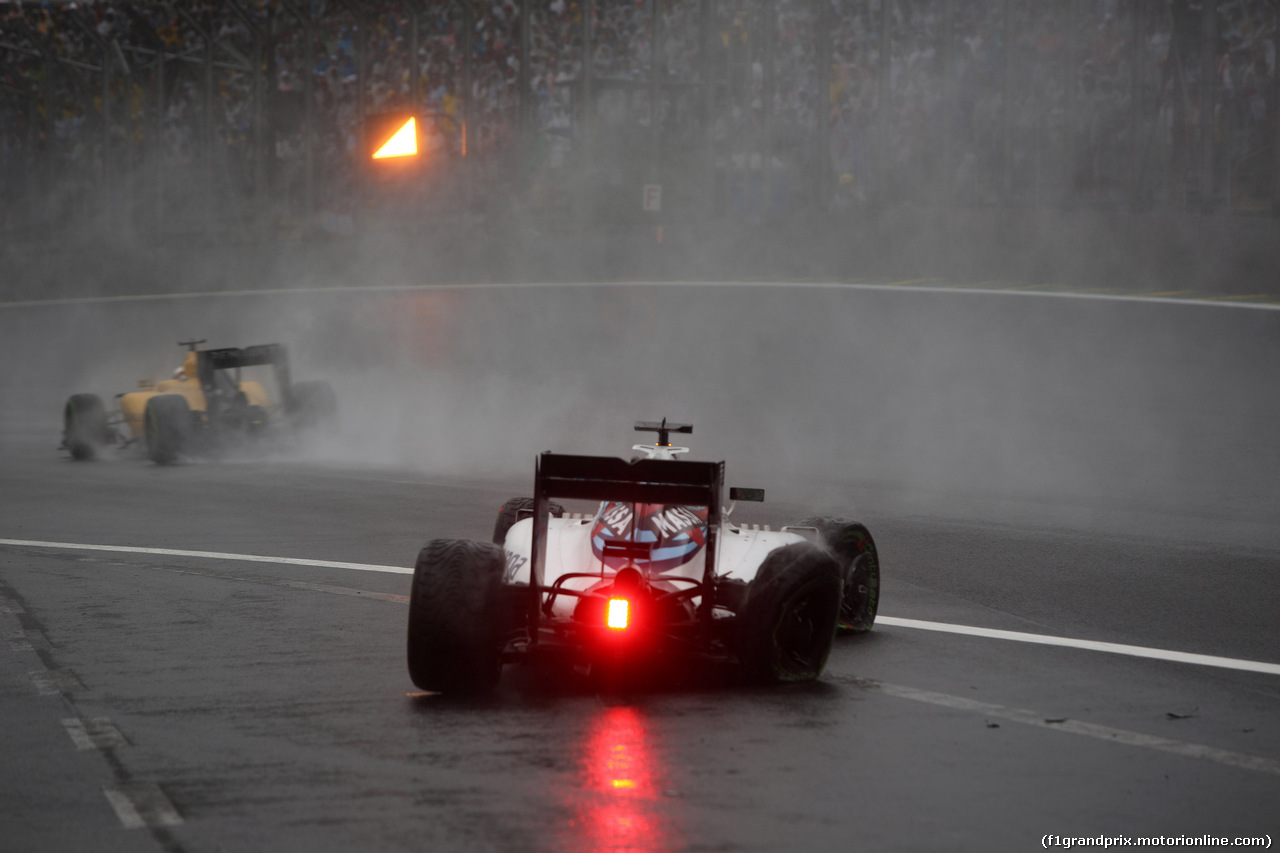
940, 98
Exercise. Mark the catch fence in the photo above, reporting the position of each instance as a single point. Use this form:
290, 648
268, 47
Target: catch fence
233, 114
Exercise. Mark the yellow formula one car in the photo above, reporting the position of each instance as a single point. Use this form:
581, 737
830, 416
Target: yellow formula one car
208, 406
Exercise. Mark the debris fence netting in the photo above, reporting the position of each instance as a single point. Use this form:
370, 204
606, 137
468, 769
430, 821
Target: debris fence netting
184, 116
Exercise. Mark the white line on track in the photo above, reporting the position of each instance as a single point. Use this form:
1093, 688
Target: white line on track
51, 682
1090, 645
94, 733
1227, 757
896, 621
908, 287
207, 555
140, 804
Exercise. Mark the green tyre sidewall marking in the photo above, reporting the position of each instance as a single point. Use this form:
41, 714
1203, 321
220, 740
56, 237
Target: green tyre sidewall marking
865, 571
854, 546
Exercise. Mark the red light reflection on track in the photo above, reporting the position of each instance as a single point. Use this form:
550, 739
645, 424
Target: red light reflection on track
620, 806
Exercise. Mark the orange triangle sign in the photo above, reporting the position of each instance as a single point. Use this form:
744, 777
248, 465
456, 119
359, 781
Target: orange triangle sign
403, 144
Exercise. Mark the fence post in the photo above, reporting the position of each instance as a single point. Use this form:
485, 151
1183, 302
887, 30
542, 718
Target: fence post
770, 16
104, 183
1208, 103
1274, 114
206, 115
468, 50
655, 92
256, 140
206, 141
415, 96
946, 54
35, 156
882, 181
1007, 107
706, 33
307, 19
1071, 110
47, 160
524, 136
157, 140
584, 87
362, 75
822, 58
1135, 104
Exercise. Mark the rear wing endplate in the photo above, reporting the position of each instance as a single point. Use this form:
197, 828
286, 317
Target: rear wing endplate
607, 478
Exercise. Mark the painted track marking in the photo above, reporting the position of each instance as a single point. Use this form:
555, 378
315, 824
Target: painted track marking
896, 621
291, 584
140, 804
55, 682
1090, 645
1227, 757
908, 285
93, 733
208, 555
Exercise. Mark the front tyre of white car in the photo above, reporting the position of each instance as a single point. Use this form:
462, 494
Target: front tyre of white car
455, 633
788, 623
855, 550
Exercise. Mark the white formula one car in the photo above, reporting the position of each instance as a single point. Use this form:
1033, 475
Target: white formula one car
657, 573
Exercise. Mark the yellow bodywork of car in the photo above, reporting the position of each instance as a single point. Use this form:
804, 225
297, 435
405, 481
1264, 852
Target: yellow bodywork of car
133, 405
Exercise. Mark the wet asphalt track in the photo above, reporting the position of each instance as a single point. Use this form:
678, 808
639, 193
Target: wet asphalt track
225, 705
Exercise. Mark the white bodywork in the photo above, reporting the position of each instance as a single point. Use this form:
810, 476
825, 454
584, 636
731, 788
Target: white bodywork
740, 549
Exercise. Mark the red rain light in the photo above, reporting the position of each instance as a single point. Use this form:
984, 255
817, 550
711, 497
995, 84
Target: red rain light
618, 614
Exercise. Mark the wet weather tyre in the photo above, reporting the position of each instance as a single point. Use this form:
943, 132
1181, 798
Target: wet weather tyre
788, 623
455, 610
855, 550
168, 427
315, 406
84, 426
509, 514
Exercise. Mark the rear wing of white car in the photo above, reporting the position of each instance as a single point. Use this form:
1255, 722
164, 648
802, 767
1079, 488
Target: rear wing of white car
607, 478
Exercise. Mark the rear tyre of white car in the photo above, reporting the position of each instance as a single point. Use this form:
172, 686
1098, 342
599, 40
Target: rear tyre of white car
788, 623
855, 550
455, 634
84, 426
509, 514
168, 427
